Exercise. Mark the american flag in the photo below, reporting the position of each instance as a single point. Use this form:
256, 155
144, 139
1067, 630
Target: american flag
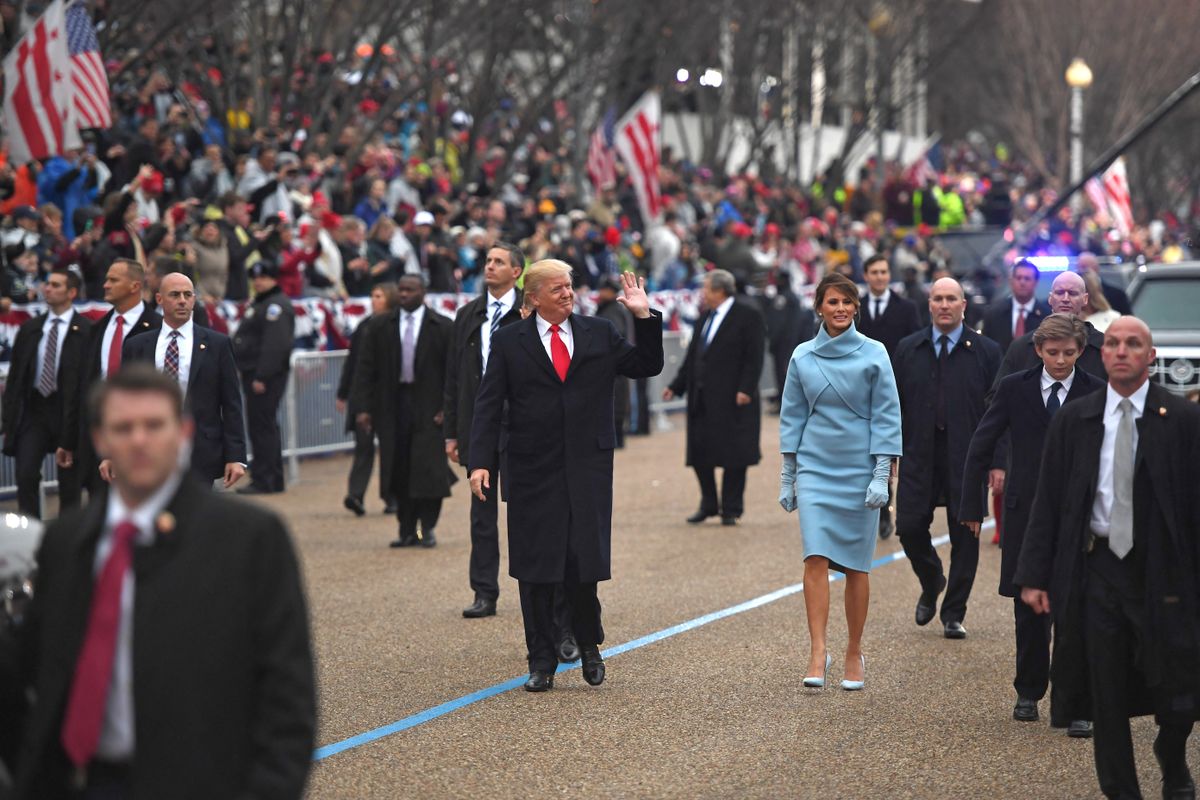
601, 160
88, 77
39, 118
1109, 194
637, 142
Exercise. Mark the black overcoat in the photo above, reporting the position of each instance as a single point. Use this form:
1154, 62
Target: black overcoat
1166, 522
971, 368
720, 433
1017, 410
223, 691
346, 379
22, 375
376, 391
560, 443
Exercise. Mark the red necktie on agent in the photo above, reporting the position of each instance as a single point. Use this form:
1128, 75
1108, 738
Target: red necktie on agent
1019, 329
114, 349
559, 354
93, 670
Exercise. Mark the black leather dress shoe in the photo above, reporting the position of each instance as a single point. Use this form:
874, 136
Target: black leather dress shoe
482, 607
1025, 710
254, 489
954, 630
389, 508
1080, 729
927, 604
729, 521
428, 538
699, 516
539, 682
404, 541
593, 666
1177, 783
354, 504
568, 650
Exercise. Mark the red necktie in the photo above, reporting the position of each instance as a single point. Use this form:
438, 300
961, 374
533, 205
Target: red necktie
93, 670
559, 354
1019, 330
114, 349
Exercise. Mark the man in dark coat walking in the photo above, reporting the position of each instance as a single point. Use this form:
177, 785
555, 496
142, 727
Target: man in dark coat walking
942, 373
555, 372
1112, 551
1021, 312
399, 385
719, 377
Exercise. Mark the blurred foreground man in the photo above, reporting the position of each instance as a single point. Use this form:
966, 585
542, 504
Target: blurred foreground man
1113, 550
168, 645
555, 372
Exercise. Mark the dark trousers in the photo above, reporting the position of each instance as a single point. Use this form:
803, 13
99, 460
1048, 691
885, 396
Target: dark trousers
484, 567
262, 423
733, 487
1033, 651
964, 547
361, 466
410, 510
35, 438
1115, 629
545, 607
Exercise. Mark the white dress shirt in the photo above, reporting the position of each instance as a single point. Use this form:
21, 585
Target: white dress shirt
1048, 381
718, 316
485, 333
882, 299
63, 327
117, 741
131, 317
186, 341
564, 333
1102, 505
1017, 308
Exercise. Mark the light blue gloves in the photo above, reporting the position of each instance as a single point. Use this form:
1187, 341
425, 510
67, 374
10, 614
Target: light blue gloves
787, 483
877, 492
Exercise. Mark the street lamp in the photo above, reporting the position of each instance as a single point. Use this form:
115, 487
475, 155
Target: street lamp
1079, 77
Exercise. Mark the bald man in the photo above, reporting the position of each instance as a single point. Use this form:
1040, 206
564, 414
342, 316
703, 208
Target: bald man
942, 372
202, 361
1112, 551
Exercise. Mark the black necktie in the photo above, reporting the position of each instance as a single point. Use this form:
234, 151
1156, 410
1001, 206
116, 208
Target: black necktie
707, 327
943, 357
878, 303
1053, 404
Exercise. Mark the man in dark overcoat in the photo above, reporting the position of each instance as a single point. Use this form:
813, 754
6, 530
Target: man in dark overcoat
399, 385
942, 373
555, 371
1112, 551
1020, 312
719, 377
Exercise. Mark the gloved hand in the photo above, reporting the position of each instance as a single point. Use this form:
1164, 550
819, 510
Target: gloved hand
877, 491
787, 483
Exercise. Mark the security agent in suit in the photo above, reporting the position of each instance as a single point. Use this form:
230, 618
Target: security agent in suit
41, 401
555, 371
942, 373
719, 376
1112, 551
169, 632
399, 391
383, 300
129, 315
262, 348
1012, 317
1022, 409
475, 326
885, 317
201, 360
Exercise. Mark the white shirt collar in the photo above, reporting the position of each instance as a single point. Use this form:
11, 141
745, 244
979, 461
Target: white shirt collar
543, 326
131, 316
66, 316
1138, 398
144, 515
506, 301
185, 330
1049, 380
417, 315
723, 309
1028, 307
886, 294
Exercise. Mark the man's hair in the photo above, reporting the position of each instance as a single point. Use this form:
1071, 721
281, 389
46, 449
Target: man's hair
722, 280
229, 200
875, 259
838, 283
135, 378
1061, 326
134, 268
73, 281
541, 271
1025, 263
515, 255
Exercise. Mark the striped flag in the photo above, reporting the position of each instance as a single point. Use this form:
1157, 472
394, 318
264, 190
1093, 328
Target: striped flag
1109, 193
39, 118
637, 140
601, 160
88, 77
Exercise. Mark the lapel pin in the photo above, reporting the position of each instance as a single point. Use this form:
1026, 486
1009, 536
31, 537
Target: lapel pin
968, 342
201, 345
165, 522
1162, 411
74, 327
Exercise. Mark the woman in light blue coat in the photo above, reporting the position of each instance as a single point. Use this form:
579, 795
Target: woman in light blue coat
839, 430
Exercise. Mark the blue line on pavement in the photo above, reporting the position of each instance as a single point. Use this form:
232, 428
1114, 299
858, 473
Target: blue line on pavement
451, 706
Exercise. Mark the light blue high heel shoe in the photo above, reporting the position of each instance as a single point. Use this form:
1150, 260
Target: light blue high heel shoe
819, 683
854, 686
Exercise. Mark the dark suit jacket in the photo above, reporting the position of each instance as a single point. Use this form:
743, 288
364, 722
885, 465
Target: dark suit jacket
997, 322
561, 440
971, 368
213, 398
346, 380
720, 433
376, 391
1016, 410
1166, 524
22, 377
224, 697
899, 319
1021, 356
464, 372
